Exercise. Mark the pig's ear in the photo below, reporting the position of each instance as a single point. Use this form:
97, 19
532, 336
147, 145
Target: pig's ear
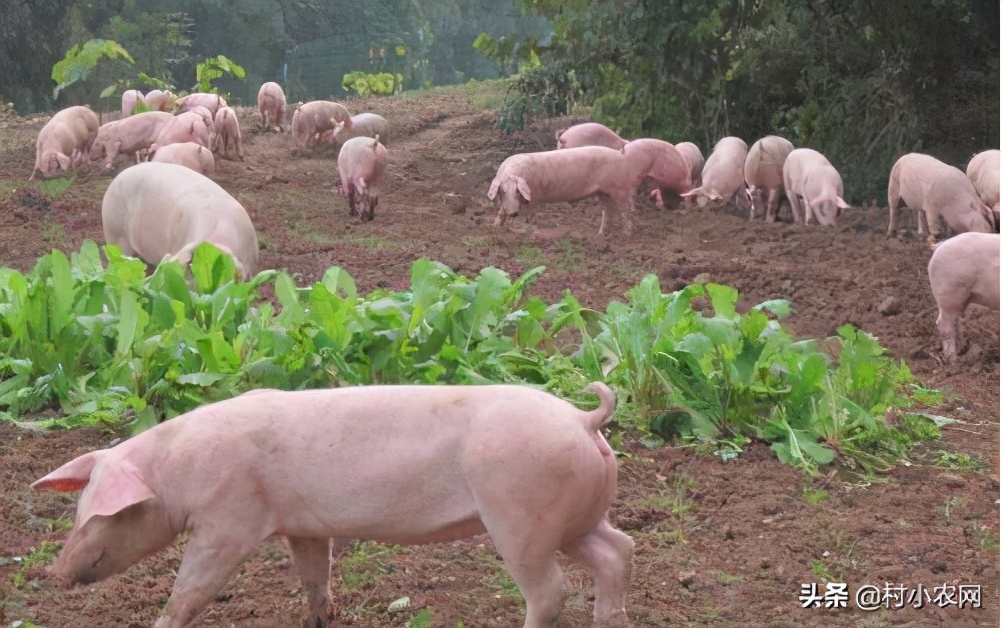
523, 188
63, 161
841, 203
120, 485
72, 476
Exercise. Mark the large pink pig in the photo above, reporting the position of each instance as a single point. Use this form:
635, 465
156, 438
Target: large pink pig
394, 464
159, 100
65, 140
983, 171
228, 133
362, 125
312, 120
361, 164
187, 154
813, 187
669, 171
212, 102
271, 103
963, 270
936, 189
571, 174
764, 174
694, 157
155, 210
129, 135
589, 134
130, 100
723, 173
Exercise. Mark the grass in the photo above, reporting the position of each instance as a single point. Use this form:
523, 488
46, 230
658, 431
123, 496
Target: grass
373, 243
836, 551
57, 187
814, 496
952, 503
957, 461
364, 562
983, 537
44, 554
497, 578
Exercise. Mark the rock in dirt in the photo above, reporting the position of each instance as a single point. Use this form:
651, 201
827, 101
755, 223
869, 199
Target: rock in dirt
889, 306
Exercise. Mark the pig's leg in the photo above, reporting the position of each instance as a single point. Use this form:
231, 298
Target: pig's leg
313, 560
351, 201
794, 200
949, 330
772, 206
208, 561
373, 201
608, 553
533, 566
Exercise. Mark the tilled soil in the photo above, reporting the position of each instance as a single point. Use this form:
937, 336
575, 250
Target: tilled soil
721, 543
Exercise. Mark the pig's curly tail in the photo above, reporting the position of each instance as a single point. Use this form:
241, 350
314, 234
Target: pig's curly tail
606, 406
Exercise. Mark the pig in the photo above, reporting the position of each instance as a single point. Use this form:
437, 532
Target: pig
188, 154
983, 171
764, 175
813, 187
212, 102
64, 140
129, 135
228, 133
312, 120
155, 210
589, 134
158, 100
570, 174
362, 125
185, 127
694, 157
207, 118
963, 270
937, 189
271, 103
361, 164
722, 174
669, 172
394, 464
130, 99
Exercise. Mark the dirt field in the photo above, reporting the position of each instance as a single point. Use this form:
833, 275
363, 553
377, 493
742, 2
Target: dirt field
717, 543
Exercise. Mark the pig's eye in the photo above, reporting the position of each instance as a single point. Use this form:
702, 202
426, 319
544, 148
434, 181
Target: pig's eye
99, 559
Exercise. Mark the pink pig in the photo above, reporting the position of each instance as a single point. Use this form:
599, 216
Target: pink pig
130, 99
669, 171
963, 270
723, 173
185, 127
312, 120
528, 179
271, 103
394, 464
589, 134
813, 187
764, 175
361, 164
212, 102
158, 100
187, 154
129, 136
228, 133
983, 171
694, 157
65, 140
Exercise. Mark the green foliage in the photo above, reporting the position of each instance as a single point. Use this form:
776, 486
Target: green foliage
44, 554
957, 461
508, 53
213, 68
82, 58
540, 91
382, 84
107, 344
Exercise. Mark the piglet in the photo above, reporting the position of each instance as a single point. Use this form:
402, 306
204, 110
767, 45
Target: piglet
393, 464
156, 210
589, 134
65, 140
963, 270
228, 133
361, 164
271, 103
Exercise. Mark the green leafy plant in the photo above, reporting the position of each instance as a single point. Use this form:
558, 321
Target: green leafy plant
213, 68
44, 554
82, 58
957, 461
382, 84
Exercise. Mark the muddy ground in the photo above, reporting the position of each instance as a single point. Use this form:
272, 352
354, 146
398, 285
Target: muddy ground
718, 543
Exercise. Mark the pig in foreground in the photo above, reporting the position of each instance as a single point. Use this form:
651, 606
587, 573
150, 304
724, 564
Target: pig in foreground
983, 171
271, 103
129, 136
669, 171
155, 210
393, 464
813, 187
936, 189
529, 179
228, 133
65, 140
722, 174
764, 175
212, 102
361, 164
963, 270
314, 119
187, 154
362, 125
130, 100
589, 134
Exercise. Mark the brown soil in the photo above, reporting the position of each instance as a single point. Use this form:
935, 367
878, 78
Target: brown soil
717, 543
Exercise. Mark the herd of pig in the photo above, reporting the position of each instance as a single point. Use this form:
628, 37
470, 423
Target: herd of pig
325, 467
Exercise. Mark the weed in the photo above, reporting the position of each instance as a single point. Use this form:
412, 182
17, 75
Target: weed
837, 548
373, 243
814, 496
364, 562
957, 461
983, 537
56, 187
926, 396
530, 256
724, 578
820, 569
52, 233
954, 502
497, 577
44, 554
